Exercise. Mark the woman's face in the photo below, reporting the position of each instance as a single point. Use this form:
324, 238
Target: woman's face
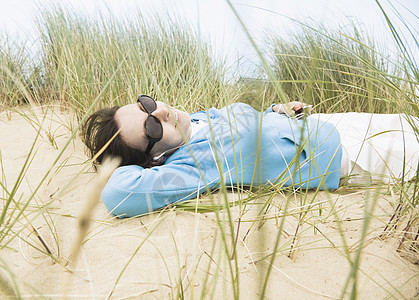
176, 126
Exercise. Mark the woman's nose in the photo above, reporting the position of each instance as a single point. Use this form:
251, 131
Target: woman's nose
162, 113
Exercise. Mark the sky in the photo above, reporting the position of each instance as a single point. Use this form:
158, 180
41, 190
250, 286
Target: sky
218, 25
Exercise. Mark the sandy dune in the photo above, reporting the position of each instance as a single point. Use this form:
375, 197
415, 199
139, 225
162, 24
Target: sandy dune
173, 250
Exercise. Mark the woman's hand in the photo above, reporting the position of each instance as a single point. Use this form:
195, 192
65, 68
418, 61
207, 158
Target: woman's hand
292, 109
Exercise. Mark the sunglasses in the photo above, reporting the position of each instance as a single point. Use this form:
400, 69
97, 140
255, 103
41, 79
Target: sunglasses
153, 127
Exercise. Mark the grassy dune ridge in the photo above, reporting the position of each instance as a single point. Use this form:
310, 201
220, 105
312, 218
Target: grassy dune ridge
236, 243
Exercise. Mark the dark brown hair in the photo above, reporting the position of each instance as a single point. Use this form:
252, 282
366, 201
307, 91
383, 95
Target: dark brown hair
98, 129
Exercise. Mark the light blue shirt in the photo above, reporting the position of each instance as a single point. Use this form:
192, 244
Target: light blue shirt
240, 146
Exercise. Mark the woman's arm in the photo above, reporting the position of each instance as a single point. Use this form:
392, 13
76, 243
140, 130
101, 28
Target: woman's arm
133, 190
292, 109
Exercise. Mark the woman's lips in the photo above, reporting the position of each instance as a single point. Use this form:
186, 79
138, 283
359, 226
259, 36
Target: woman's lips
177, 119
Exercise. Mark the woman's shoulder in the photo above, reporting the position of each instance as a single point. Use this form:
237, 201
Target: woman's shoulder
214, 112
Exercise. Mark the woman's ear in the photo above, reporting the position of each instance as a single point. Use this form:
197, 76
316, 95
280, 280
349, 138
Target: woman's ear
157, 162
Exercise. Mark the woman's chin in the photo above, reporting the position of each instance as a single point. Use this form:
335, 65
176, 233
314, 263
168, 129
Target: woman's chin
185, 121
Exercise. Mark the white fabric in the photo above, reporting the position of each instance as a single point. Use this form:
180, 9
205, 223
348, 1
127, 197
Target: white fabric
196, 126
376, 144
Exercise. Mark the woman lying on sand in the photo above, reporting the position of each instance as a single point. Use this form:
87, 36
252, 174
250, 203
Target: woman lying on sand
169, 156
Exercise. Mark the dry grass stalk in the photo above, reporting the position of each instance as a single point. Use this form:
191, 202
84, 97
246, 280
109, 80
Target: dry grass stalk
7, 289
92, 198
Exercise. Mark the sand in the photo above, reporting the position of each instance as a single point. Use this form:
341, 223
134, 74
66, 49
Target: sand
168, 253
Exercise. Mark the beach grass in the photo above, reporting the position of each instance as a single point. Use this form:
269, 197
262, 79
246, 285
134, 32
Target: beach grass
157, 55
90, 63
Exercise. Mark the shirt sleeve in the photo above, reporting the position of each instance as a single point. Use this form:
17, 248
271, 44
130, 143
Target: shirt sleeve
270, 108
133, 190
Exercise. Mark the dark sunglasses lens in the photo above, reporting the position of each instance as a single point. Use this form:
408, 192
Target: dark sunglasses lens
153, 128
148, 103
